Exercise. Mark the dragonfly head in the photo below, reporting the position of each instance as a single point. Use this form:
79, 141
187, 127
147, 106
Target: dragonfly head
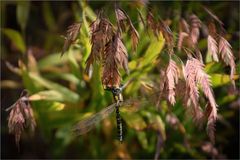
117, 92
114, 90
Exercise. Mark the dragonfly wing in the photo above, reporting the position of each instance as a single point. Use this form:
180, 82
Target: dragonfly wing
86, 125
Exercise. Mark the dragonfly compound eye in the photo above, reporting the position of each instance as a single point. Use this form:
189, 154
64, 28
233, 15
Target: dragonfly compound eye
116, 91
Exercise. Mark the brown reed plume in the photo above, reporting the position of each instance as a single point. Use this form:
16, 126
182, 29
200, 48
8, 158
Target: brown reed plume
189, 35
212, 44
187, 82
152, 24
172, 79
72, 35
195, 25
224, 49
195, 75
21, 117
101, 33
168, 36
115, 56
124, 20
184, 35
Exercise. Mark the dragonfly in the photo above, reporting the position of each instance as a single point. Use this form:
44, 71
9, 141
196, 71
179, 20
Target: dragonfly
88, 124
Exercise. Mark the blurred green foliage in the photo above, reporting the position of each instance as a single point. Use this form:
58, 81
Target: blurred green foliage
62, 94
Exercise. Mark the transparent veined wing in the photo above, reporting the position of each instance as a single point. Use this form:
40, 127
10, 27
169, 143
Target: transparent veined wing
89, 123
86, 125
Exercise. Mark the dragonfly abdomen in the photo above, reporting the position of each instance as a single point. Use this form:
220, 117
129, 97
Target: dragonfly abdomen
119, 124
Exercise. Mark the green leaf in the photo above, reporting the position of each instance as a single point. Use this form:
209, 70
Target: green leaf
142, 137
65, 76
213, 67
221, 79
32, 63
156, 122
48, 16
208, 58
180, 148
153, 50
23, 8
64, 134
146, 63
96, 86
226, 99
134, 121
49, 95
27, 81
15, 38
56, 106
10, 84
69, 96
51, 60
74, 64
89, 12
